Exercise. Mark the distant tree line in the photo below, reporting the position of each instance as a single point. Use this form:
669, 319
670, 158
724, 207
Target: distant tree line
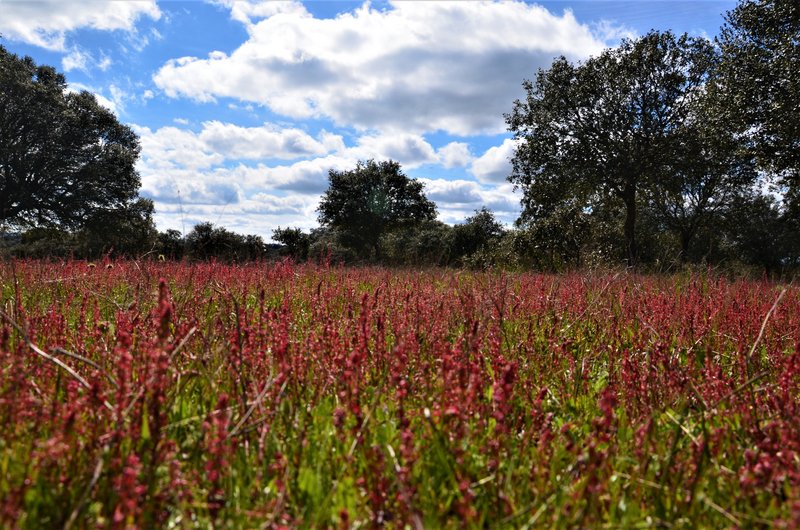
202, 243
664, 151
376, 214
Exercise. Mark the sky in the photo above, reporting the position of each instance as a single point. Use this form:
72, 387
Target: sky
242, 107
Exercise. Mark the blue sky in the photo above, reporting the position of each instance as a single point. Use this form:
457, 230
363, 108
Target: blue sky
243, 107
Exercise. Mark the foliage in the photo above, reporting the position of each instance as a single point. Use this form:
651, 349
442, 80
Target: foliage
758, 86
205, 242
763, 236
426, 244
329, 245
478, 233
171, 244
297, 242
244, 396
63, 157
125, 231
364, 203
592, 137
710, 174
45, 242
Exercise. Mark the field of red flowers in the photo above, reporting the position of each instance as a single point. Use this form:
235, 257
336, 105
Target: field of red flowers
273, 395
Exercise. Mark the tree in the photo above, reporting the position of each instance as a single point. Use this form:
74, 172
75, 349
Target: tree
758, 83
127, 230
709, 173
478, 232
591, 137
424, 244
375, 197
207, 241
171, 244
763, 236
62, 156
295, 240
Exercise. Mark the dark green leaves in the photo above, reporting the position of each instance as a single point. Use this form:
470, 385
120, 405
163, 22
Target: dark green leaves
371, 199
62, 156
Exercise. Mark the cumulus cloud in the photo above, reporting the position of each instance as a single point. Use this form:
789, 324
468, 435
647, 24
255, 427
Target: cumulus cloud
416, 66
107, 103
246, 11
46, 23
231, 153
218, 142
213, 166
172, 147
411, 150
458, 199
495, 164
306, 176
454, 154
461, 192
268, 141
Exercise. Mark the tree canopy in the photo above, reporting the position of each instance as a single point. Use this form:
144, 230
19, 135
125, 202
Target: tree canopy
375, 197
599, 137
63, 157
758, 84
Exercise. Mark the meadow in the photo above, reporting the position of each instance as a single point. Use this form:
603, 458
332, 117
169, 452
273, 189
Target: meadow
176, 395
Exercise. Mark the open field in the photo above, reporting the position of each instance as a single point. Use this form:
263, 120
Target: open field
277, 395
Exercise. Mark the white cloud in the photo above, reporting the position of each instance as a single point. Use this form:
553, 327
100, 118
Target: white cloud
46, 23
174, 148
461, 192
267, 141
416, 67
458, 199
495, 164
611, 31
76, 59
454, 154
107, 103
222, 171
245, 10
306, 177
217, 142
80, 59
104, 63
410, 150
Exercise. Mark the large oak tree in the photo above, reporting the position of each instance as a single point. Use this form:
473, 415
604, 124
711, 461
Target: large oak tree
63, 157
594, 136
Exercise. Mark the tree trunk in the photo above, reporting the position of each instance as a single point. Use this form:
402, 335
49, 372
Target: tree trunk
631, 251
686, 238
